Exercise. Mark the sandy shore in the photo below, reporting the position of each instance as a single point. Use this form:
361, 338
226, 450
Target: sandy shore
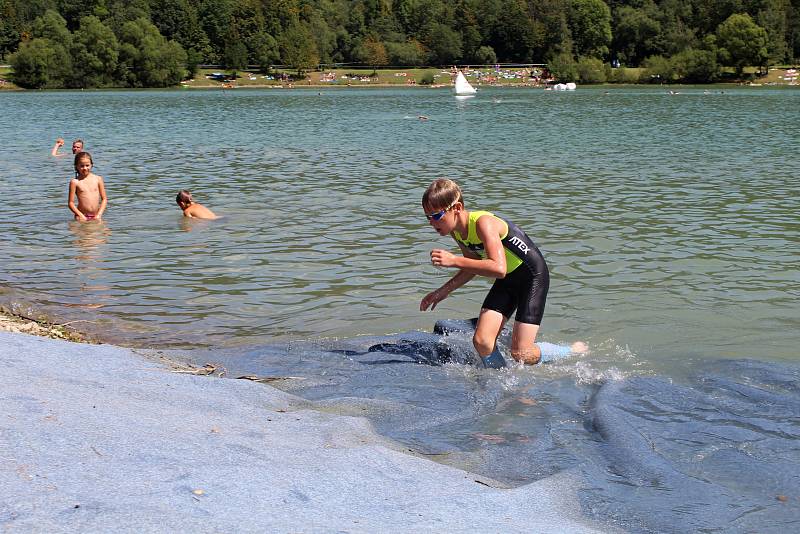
10, 322
98, 438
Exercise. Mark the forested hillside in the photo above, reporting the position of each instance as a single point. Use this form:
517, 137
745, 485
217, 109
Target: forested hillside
152, 43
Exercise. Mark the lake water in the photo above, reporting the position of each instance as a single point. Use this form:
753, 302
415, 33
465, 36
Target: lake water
670, 223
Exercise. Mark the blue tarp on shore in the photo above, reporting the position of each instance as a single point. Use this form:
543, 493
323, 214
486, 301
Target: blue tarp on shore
100, 438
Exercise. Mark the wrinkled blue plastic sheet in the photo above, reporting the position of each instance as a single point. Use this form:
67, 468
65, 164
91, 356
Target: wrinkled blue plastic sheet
716, 448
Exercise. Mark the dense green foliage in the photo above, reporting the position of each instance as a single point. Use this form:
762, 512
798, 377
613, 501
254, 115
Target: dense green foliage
145, 43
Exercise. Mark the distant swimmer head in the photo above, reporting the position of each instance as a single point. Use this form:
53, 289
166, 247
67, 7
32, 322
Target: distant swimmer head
184, 197
77, 146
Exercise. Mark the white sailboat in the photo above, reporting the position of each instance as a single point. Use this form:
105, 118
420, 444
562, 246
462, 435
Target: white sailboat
463, 88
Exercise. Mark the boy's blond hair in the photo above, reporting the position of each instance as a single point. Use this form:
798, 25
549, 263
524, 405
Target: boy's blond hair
442, 193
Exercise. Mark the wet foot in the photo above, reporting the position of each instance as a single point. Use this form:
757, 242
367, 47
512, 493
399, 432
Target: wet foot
579, 347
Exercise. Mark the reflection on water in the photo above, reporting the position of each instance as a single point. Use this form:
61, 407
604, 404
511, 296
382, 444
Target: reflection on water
89, 246
89, 236
188, 224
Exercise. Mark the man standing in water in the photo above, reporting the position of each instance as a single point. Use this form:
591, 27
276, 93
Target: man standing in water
77, 146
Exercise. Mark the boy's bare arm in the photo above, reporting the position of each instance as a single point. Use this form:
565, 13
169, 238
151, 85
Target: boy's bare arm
59, 144
436, 296
71, 202
459, 279
101, 189
493, 266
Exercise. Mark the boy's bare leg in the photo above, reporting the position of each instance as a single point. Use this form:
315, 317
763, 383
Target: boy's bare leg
579, 347
490, 323
523, 343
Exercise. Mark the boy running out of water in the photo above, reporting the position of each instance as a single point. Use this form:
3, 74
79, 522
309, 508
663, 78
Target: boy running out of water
495, 248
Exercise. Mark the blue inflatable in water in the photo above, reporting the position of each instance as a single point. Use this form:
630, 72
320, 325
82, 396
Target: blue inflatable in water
550, 351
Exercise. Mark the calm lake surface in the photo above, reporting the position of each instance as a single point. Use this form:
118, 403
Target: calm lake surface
671, 225
670, 222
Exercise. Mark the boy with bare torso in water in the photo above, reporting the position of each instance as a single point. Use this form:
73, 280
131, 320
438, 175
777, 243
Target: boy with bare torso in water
88, 188
191, 208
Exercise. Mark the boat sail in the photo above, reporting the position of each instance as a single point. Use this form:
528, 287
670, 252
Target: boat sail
463, 87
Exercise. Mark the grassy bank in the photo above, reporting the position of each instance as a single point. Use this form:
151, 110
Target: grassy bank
417, 77
5, 82
426, 77
412, 77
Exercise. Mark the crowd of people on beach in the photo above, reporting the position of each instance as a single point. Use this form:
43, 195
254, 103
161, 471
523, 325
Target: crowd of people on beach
490, 246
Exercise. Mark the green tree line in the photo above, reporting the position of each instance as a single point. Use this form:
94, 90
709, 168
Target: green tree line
152, 43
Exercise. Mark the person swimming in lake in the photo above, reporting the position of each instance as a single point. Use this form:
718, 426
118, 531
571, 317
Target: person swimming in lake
191, 208
495, 248
77, 146
88, 188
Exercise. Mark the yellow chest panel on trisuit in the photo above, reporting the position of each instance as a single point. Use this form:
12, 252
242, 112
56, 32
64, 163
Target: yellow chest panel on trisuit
474, 243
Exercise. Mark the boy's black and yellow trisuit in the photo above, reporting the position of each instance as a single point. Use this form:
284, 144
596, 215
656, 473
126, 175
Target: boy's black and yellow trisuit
527, 279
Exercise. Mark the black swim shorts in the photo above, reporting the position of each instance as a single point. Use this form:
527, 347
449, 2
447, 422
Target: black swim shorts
524, 289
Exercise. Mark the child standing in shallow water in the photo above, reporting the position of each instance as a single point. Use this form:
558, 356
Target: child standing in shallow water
191, 208
89, 190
